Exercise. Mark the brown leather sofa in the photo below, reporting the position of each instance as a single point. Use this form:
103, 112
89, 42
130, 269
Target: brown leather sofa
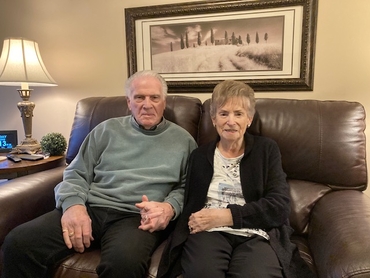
323, 152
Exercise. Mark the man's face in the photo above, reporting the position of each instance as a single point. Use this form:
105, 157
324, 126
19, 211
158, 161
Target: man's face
147, 103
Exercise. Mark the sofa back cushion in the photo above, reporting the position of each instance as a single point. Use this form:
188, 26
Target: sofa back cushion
320, 141
182, 110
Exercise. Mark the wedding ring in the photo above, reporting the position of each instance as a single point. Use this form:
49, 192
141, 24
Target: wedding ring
190, 229
71, 234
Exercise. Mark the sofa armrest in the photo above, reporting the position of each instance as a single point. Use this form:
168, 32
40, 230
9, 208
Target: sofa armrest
339, 234
25, 198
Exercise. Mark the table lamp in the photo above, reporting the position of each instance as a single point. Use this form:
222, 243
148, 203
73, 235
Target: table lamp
21, 65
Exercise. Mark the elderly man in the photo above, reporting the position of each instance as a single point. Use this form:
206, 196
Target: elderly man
121, 191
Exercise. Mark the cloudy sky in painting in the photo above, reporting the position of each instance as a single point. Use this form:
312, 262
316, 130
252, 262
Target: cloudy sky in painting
162, 35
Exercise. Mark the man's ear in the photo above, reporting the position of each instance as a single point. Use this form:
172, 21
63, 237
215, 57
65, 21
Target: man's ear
128, 103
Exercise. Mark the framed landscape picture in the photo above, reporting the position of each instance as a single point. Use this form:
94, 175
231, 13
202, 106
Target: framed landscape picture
267, 44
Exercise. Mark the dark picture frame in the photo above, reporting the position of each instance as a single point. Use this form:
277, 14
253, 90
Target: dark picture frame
269, 44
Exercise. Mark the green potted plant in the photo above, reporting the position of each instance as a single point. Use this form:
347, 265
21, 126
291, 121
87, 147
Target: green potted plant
54, 143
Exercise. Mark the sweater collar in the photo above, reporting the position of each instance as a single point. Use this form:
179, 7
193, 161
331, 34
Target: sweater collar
156, 128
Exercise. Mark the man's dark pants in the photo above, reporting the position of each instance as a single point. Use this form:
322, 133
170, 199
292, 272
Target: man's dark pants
31, 248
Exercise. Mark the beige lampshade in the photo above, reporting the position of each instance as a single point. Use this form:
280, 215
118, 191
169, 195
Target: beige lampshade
21, 62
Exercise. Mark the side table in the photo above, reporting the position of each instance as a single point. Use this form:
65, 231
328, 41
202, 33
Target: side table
11, 170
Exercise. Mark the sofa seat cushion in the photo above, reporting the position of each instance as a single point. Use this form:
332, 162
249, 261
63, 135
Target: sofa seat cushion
304, 250
84, 265
79, 265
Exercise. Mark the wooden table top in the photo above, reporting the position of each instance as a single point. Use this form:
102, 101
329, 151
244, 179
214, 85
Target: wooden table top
10, 169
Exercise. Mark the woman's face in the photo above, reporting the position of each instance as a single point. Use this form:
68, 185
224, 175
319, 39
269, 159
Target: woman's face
231, 120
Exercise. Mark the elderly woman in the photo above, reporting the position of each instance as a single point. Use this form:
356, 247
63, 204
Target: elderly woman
237, 204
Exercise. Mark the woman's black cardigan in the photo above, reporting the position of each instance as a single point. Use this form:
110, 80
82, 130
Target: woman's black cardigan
267, 205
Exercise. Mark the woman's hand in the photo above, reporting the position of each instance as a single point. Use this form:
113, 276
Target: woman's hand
206, 219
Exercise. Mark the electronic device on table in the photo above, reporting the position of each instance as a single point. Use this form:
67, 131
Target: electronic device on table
32, 157
13, 158
20, 157
8, 140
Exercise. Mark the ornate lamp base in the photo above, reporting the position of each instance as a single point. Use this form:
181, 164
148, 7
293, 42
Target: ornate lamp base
28, 145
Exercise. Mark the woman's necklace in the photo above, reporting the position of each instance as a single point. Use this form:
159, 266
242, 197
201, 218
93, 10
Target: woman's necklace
230, 165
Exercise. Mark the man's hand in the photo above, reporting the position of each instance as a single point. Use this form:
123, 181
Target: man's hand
155, 216
206, 219
76, 228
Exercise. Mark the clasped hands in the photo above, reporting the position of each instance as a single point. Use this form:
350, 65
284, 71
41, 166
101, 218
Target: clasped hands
77, 230
155, 216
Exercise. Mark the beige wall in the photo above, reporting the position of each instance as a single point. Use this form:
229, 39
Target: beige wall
83, 46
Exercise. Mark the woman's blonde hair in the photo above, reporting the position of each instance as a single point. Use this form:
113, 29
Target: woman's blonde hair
231, 89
